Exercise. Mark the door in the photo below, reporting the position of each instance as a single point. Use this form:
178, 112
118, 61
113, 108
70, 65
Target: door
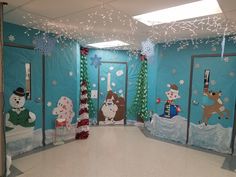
213, 100
23, 98
112, 91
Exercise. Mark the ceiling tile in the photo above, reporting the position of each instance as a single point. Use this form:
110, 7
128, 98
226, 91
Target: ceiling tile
12, 4
231, 15
58, 8
227, 5
144, 6
17, 15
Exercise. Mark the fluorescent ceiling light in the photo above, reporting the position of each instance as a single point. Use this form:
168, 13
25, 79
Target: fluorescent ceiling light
182, 12
108, 44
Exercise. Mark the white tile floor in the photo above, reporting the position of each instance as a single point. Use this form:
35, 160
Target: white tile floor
121, 152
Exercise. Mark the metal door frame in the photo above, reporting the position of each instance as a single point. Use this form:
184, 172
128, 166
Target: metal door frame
202, 56
126, 87
29, 47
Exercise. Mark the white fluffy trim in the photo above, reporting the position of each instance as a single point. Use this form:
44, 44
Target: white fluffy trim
84, 116
83, 88
82, 106
83, 96
84, 128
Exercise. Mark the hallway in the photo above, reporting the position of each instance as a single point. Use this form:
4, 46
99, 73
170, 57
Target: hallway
121, 152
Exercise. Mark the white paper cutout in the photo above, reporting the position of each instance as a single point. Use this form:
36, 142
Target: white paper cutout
119, 73
181, 82
226, 99
148, 48
197, 65
120, 91
226, 59
174, 71
11, 38
213, 82
232, 74
54, 82
94, 94
49, 104
195, 92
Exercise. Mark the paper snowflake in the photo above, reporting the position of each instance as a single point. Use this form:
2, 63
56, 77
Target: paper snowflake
195, 92
120, 91
174, 71
96, 61
226, 59
49, 104
197, 65
181, 82
231, 74
213, 49
148, 48
70, 73
54, 82
44, 44
119, 73
213, 82
226, 99
11, 38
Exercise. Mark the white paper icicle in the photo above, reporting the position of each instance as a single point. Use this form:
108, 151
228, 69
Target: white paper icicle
223, 44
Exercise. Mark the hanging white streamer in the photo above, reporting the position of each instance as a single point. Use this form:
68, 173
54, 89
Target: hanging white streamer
223, 44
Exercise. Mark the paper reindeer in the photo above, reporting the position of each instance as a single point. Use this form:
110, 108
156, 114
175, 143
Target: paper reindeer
216, 108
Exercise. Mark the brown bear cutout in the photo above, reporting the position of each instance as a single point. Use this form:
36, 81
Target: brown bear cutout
119, 102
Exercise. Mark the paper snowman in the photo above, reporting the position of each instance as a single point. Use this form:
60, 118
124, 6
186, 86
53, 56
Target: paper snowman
18, 115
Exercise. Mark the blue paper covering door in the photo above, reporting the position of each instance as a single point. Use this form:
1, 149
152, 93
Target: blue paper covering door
212, 104
112, 93
23, 99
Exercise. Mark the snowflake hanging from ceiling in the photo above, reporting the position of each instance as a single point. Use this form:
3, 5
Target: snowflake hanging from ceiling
148, 48
44, 44
96, 61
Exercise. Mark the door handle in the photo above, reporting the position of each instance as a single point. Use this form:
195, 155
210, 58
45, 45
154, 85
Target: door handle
37, 100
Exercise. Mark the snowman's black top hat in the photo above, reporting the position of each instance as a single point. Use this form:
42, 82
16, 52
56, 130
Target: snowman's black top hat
19, 91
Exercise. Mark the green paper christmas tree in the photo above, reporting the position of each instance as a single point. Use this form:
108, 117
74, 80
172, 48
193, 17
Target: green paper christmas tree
140, 102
